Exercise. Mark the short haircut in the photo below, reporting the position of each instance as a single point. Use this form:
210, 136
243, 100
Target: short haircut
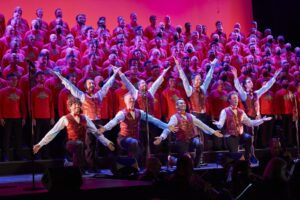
73, 100
39, 73
231, 94
179, 100
11, 75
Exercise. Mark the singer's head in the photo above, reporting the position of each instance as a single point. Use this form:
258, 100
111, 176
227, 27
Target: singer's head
196, 80
142, 85
180, 105
12, 80
233, 98
89, 85
171, 82
74, 105
129, 101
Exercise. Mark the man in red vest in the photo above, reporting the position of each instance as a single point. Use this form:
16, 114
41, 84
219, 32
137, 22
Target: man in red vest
231, 121
250, 100
129, 118
186, 138
91, 107
77, 126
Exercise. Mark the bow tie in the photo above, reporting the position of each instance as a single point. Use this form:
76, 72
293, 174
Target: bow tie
130, 109
76, 115
182, 112
234, 108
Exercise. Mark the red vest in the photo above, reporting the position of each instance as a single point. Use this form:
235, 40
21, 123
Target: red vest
233, 123
75, 130
141, 102
197, 101
130, 127
251, 105
186, 127
92, 107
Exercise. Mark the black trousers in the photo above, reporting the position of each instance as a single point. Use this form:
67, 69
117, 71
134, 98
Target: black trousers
182, 147
76, 149
41, 129
12, 138
265, 132
91, 145
232, 143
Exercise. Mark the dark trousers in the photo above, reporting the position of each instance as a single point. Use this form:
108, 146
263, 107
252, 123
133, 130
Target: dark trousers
265, 132
253, 132
76, 149
91, 144
133, 147
12, 138
287, 124
41, 129
233, 142
182, 147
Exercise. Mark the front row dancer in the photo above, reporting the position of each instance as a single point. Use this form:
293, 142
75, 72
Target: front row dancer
129, 138
231, 121
77, 126
186, 139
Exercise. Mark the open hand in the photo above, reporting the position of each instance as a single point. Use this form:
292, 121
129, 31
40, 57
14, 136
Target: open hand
36, 148
265, 118
218, 134
157, 140
102, 129
111, 146
173, 128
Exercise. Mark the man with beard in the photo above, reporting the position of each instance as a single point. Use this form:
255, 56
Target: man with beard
91, 104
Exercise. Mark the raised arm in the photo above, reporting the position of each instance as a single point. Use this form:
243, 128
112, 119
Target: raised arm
238, 86
129, 85
268, 85
158, 82
72, 88
103, 91
187, 87
209, 76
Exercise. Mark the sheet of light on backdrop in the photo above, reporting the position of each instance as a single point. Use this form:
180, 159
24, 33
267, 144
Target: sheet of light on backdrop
195, 11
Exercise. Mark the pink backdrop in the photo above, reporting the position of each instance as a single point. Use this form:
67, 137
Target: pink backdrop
195, 11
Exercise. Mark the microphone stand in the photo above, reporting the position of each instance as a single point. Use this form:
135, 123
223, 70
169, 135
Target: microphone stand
33, 186
297, 127
147, 126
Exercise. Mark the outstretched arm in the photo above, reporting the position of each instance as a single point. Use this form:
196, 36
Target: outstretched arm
129, 85
154, 120
248, 122
268, 85
209, 76
238, 86
112, 123
221, 121
92, 129
101, 93
172, 123
158, 82
205, 128
72, 88
51, 134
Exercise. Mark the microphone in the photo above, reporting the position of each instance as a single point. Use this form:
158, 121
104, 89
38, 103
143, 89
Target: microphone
30, 63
